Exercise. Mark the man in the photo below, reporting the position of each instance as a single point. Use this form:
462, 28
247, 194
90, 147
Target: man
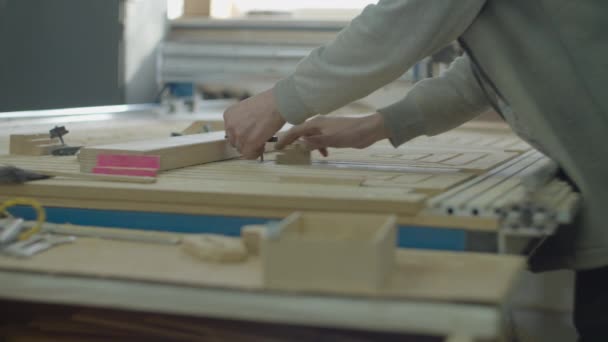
542, 64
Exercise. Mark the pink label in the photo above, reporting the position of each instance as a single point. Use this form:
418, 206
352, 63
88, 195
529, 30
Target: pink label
128, 160
125, 171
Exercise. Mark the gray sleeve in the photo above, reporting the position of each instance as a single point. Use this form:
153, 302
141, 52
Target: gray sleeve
436, 105
378, 46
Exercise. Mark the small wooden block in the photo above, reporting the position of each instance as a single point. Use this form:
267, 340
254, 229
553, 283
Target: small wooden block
295, 154
32, 144
174, 152
252, 236
214, 248
321, 251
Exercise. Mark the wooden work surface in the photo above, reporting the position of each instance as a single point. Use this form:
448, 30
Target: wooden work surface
420, 275
430, 292
397, 181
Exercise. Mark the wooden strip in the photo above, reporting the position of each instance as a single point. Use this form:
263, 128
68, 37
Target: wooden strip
439, 157
463, 159
440, 276
353, 181
423, 219
407, 316
246, 194
97, 177
125, 171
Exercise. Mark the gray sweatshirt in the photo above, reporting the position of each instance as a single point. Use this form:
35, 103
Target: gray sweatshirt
541, 63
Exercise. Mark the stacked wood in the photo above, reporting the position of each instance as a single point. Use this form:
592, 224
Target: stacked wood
174, 152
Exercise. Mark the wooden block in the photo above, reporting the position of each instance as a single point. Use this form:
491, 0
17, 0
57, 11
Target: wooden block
214, 248
320, 251
98, 177
295, 154
197, 8
252, 237
174, 152
32, 144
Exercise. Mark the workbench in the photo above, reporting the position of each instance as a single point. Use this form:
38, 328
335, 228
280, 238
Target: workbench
450, 293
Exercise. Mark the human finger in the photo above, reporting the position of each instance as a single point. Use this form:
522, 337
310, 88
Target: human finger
295, 133
324, 152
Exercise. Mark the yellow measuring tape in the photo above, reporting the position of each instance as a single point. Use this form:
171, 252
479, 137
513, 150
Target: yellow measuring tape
40, 214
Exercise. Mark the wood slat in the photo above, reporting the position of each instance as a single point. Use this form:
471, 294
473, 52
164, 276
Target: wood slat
444, 276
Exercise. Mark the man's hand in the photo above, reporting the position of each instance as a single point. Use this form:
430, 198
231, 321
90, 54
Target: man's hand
322, 132
250, 123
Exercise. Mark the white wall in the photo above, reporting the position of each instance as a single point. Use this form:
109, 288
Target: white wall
145, 28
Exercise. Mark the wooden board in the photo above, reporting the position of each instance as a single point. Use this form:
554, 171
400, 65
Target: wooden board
423, 275
230, 193
423, 219
174, 152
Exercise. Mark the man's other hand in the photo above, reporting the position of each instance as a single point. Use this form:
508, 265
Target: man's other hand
322, 132
250, 123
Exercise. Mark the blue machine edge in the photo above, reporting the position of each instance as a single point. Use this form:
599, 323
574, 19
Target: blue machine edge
408, 236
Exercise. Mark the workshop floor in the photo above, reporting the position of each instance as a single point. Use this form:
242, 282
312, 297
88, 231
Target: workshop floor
535, 326
543, 305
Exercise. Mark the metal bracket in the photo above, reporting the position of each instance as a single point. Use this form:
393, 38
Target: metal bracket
10, 229
35, 245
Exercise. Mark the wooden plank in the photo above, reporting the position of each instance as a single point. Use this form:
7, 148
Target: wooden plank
125, 171
422, 219
407, 316
98, 177
231, 193
174, 152
440, 276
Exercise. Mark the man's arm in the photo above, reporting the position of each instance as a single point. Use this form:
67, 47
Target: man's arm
436, 105
375, 49
433, 106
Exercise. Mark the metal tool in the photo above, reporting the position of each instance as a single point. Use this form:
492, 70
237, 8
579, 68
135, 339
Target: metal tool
34, 245
64, 150
10, 230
